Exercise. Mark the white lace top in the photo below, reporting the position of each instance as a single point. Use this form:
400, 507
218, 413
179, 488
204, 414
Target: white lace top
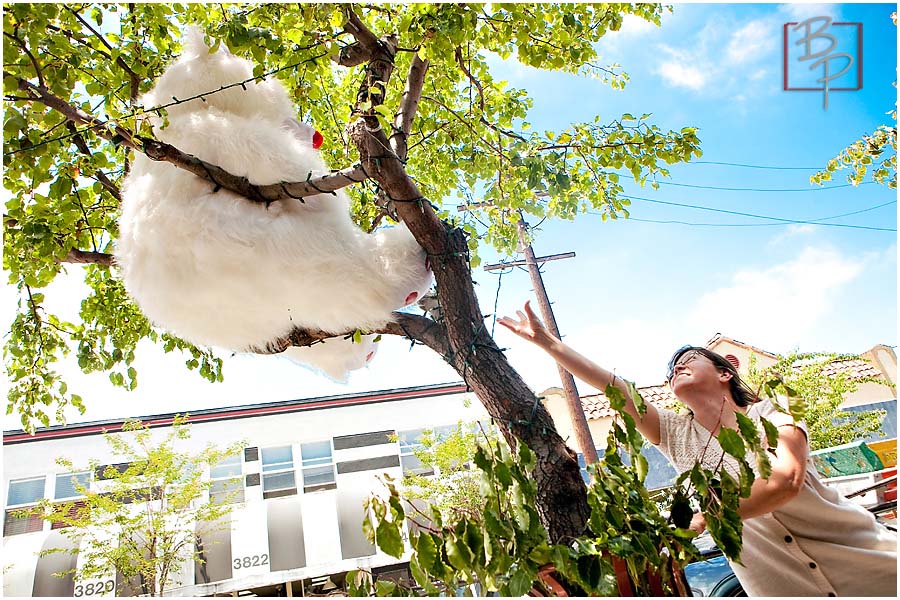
818, 544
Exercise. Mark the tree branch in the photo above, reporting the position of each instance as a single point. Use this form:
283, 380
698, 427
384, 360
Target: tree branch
409, 104
467, 124
362, 34
380, 54
82, 146
34, 62
352, 55
160, 151
414, 327
105, 129
470, 77
119, 61
86, 257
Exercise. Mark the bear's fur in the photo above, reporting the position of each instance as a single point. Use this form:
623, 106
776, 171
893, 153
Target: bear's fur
220, 270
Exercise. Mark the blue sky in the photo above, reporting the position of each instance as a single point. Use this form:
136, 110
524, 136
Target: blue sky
638, 289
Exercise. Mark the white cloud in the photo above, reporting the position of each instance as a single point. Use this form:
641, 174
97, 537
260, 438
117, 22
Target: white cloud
725, 57
683, 75
750, 42
780, 304
793, 231
799, 229
634, 26
683, 69
633, 29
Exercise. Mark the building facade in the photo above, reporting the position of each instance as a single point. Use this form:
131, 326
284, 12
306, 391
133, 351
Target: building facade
299, 487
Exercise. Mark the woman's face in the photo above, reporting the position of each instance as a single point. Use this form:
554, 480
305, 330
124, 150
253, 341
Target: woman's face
694, 370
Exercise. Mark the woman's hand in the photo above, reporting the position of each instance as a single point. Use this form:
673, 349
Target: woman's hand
698, 523
529, 326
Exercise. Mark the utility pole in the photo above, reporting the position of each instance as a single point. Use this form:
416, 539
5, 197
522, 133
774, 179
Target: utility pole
576, 410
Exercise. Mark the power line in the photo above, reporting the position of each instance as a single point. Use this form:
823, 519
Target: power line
817, 221
730, 189
754, 216
746, 166
156, 109
691, 224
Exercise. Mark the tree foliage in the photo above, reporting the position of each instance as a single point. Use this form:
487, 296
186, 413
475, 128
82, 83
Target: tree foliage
876, 151
447, 480
407, 97
634, 543
470, 138
817, 383
140, 522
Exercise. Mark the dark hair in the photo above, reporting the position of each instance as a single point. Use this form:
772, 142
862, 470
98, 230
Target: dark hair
740, 391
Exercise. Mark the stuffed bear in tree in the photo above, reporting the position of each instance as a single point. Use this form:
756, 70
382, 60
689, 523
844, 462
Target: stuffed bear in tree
218, 269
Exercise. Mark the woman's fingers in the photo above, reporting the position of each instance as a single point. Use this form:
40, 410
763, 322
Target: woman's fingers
531, 316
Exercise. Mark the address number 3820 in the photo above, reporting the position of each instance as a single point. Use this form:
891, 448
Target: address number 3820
94, 588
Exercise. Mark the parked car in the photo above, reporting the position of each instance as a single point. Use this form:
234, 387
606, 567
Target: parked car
712, 576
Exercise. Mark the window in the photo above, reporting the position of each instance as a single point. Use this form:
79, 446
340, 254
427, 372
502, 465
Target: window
318, 467
410, 441
227, 485
67, 489
278, 472
67, 485
23, 493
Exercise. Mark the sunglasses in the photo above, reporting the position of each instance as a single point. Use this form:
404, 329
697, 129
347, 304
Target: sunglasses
684, 359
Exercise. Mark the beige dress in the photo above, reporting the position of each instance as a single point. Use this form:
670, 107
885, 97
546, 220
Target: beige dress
818, 544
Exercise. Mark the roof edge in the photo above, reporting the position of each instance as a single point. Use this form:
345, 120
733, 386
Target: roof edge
239, 411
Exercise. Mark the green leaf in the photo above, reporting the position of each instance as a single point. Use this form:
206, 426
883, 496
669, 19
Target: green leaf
641, 467
388, 537
519, 583
771, 432
457, 553
14, 120
747, 427
680, 512
731, 442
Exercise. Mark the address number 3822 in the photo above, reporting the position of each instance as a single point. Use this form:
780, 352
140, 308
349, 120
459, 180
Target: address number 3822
250, 561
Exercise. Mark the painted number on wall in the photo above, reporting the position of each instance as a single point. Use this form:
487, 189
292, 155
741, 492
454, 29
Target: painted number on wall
251, 561
94, 588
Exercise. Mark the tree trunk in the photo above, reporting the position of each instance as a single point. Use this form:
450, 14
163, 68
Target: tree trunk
469, 348
514, 407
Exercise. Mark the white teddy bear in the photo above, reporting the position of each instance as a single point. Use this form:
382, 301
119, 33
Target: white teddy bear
218, 269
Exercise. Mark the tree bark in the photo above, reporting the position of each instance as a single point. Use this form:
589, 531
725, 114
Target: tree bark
471, 351
562, 495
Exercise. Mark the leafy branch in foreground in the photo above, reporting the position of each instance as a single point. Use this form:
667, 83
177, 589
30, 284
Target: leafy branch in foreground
816, 384
634, 543
446, 478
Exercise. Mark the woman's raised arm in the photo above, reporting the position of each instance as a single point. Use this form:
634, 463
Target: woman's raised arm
531, 328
